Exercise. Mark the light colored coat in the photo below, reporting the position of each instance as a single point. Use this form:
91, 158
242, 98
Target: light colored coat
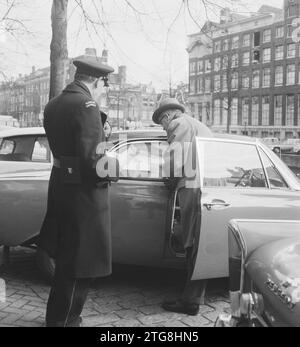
180, 157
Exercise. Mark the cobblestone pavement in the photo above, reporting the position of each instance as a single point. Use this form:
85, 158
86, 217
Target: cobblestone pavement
129, 298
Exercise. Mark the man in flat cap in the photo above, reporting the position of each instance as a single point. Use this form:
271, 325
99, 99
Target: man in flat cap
180, 166
76, 230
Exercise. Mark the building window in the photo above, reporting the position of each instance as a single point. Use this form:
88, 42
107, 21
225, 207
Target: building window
193, 67
225, 62
256, 56
235, 81
217, 46
298, 110
279, 32
207, 65
246, 59
225, 111
235, 60
290, 74
200, 111
267, 35
200, 85
245, 111
278, 110
235, 42
217, 112
217, 83
267, 55
256, 79
279, 52
245, 80
265, 111
192, 87
225, 45
290, 30
291, 50
292, 10
224, 83
290, 110
246, 40
200, 66
255, 110
234, 111
256, 39
207, 85
278, 75
217, 65
266, 77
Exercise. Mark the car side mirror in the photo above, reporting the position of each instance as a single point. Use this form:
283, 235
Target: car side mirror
277, 151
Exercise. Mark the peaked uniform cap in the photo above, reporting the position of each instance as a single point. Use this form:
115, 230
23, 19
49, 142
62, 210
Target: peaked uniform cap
167, 104
92, 67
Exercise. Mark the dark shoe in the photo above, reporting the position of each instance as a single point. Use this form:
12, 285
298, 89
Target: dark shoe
181, 307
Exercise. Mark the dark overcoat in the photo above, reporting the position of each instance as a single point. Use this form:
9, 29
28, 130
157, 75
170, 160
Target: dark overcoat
77, 228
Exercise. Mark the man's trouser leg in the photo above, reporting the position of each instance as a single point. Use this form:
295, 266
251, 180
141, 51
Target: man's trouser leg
189, 201
66, 300
194, 290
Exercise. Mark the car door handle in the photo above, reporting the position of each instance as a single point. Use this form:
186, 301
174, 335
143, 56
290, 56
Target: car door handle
215, 203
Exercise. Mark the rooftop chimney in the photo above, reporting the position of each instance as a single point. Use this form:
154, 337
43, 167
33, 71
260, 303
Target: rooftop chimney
105, 56
225, 15
92, 52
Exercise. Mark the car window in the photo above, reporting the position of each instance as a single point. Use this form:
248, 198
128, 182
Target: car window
141, 160
18, 148
274, 177
232, 165
7, 146
41, 150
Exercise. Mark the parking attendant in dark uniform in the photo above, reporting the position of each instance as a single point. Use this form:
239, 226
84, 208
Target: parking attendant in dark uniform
76, 231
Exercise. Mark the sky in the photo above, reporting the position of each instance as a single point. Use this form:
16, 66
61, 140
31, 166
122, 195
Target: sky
149, 36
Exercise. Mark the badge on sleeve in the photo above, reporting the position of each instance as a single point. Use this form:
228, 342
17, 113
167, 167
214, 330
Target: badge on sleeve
89, 104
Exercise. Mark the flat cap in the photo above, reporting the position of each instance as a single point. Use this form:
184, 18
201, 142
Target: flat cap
92, 67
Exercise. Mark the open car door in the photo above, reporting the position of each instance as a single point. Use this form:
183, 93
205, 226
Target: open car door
239, 180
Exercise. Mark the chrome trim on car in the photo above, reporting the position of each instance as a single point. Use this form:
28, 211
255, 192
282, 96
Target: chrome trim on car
241, 242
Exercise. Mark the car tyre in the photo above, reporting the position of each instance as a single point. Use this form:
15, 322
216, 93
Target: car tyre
45, 264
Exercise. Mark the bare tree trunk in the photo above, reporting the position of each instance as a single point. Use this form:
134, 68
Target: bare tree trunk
59, 46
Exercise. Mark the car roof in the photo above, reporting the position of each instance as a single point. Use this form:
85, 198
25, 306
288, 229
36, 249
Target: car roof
132, 134
22, 131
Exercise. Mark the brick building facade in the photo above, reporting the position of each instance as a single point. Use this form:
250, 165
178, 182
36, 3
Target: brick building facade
26, 97
245, 72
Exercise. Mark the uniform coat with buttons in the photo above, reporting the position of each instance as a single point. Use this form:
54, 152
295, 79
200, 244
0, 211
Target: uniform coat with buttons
76, 230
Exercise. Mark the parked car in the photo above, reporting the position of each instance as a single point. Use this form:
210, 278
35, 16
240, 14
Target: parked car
276, 146
240, 178
264, 269
296, 145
